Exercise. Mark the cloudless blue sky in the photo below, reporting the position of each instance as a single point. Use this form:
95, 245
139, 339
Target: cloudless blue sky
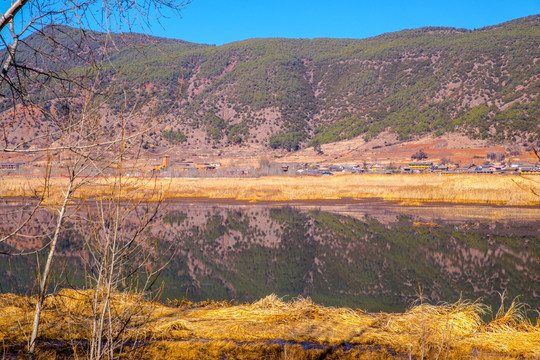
223, 21
219, 22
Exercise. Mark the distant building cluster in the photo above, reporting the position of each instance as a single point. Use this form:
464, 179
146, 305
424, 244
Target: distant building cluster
487, 168
422, 167
184, 168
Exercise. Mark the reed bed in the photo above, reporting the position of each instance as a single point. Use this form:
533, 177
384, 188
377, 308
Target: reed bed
274, 329
458, 188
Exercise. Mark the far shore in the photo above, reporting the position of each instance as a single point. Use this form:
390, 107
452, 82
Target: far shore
410, 189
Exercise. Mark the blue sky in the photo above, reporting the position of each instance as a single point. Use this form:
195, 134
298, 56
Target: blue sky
219, 22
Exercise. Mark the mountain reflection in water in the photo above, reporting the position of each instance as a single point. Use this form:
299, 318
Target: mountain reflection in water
366, 254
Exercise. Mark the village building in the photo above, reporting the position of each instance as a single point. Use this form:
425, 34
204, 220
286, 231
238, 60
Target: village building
531, 171
10, 166
420, 165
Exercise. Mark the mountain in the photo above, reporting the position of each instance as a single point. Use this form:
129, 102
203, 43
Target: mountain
293, 93
375, 262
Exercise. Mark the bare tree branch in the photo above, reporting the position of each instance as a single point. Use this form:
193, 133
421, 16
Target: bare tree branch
11, 12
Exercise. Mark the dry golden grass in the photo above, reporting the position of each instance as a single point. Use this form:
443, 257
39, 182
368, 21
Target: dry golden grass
461, 188
428, 187
102, 188
273, 329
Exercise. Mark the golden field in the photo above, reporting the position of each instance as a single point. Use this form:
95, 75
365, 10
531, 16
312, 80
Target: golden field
184, 330
458, 188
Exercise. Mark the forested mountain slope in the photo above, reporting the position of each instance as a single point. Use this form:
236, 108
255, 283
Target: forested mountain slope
290, 93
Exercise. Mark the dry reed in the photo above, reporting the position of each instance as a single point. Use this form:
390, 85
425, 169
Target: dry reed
272, 328
459, 188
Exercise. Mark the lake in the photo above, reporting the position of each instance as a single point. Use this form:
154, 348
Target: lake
370, 254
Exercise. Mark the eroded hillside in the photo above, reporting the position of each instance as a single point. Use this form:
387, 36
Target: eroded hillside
293, 93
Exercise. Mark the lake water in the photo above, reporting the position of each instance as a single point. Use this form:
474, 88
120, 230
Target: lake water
370, 254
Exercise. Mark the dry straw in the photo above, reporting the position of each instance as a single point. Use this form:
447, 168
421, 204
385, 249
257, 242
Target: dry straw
459, 188
251, 331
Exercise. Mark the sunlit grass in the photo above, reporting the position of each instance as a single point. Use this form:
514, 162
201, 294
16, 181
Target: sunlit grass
274, 329
463, 188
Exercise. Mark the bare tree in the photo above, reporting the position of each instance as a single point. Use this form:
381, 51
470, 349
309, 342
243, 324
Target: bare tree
86, 153
120, 250
79, 137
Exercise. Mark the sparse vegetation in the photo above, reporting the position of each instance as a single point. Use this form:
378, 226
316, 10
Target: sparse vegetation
359, 87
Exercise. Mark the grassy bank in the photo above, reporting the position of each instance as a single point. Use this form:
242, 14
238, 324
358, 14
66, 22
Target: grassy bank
271, 329
483, 189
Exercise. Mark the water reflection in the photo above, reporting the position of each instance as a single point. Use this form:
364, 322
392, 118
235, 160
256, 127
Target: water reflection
372, 255
376, 263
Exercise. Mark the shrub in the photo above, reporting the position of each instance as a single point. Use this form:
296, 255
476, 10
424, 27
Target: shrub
445, 161
317, 147
174, 136
419, 155
286, 140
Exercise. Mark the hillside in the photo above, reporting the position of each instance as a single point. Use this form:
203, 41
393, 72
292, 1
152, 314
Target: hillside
294, 93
